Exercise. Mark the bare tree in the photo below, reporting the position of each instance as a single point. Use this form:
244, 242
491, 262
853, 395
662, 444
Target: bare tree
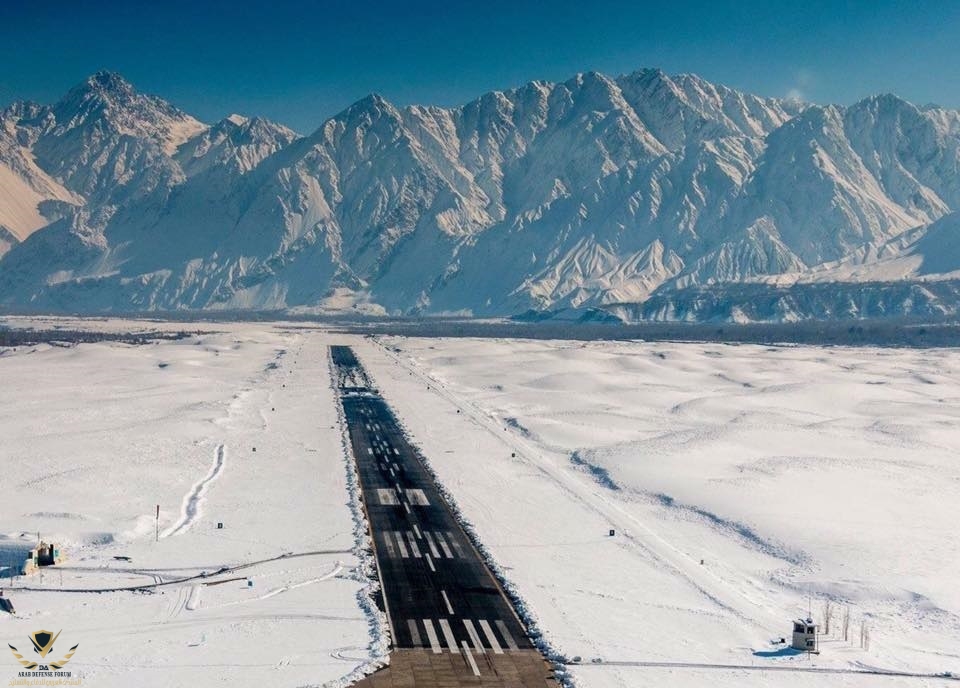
827, 615
846, 623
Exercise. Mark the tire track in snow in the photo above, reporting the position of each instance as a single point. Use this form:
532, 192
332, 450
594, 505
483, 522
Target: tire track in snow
194, 500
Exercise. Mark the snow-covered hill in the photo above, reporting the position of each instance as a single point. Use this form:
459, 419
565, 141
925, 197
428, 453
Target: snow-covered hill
628, 193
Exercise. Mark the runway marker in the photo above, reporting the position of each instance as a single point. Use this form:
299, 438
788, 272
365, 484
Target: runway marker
430, 563
415, 633
432, 635
391, 550
456, 545
370, 450
491, 638
446, 601
407, 507
417, 497
413, 545
433, 547
403, 548
474, 637
387, 497
473, 664
443, 545
511, 643
395, 451
448, 636
416, 529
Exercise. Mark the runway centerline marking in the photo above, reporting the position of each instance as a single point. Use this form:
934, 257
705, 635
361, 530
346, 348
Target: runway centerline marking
433, 547
446, 601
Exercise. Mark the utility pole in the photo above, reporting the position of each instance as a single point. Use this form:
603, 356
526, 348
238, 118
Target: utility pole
158, 523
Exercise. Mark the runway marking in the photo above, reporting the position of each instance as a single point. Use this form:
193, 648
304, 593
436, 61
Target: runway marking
430, 563
511, 643
417, 497
474, 638
448, 636
473, 664
395, 451
407, 507
432, 635
403, 548
443, 545
433, 547
416, 529
392, 473
413, 545
415, 633
391, 550
456, 545
387, 497
491, 638
446, 601
370, 450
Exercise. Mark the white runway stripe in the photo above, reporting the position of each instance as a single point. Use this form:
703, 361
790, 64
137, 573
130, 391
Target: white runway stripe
508, 639
474, 638
456, 545
414, 633
448, 636
443, 545
416, 529
417, 497
388, 542
473, 663
432, 636
387, 497
446, 601
430, 563
403, 547
433, 547
413, 544
491, 638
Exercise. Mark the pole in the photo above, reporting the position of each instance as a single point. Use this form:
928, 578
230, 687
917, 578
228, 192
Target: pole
158, 523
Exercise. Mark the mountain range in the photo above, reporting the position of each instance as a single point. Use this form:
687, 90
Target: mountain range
645, 196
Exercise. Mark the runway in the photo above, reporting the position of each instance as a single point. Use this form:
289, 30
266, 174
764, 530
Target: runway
451, 624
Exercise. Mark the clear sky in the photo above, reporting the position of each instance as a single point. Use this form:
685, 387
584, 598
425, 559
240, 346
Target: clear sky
300, 62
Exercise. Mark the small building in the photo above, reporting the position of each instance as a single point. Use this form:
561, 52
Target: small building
805, 635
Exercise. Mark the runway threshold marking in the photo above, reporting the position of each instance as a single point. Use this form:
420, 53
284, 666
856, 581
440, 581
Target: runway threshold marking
491, 637
505, 632
448, 636
432, 636
414, 633
474, 637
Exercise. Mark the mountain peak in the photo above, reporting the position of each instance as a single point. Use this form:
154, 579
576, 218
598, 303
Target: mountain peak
107, 81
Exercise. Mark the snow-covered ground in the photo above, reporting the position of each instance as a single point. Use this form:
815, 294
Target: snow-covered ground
95, 436
794, 474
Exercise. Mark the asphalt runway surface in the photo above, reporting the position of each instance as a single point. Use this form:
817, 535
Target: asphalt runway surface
438, 593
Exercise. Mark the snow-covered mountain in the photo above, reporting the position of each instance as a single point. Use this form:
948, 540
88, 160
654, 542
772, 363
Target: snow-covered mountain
641, 194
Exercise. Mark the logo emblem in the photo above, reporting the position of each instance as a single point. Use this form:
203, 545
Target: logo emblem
42, 642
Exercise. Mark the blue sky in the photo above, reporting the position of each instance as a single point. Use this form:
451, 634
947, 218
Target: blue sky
300, 62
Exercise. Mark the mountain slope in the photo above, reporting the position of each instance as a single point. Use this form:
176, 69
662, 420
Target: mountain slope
594, 192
